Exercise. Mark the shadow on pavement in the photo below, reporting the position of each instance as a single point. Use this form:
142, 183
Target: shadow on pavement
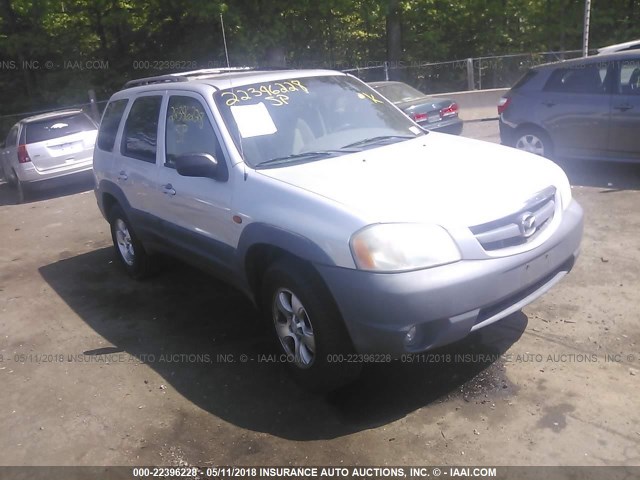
58, 187
608, 175
184, 322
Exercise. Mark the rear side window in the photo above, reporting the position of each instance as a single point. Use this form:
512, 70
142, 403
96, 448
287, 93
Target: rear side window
12, 137
524, 79
110, 123
589, 79
140, 135
57, 127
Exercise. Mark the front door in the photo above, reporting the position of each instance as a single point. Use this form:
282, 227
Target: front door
195, 211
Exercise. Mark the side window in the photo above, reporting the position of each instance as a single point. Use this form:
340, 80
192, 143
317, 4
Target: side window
189, 131
110, 123
589, 79
140, 136
12, 137
629, 83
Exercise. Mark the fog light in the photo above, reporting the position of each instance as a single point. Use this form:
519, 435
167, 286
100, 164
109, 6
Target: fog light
410, 336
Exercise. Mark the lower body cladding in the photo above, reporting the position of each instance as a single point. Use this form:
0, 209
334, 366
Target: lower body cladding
419, 310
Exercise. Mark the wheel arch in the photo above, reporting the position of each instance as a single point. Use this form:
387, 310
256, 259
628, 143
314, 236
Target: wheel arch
110, 194
531, 126
262, 244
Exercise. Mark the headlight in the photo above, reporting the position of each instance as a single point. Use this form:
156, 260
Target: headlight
395, 247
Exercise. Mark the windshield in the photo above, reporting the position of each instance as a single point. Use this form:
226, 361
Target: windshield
308, 119
398, 92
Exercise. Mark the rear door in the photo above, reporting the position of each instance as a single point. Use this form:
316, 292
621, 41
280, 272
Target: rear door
575, 109
59, 141
135, 163
624, 139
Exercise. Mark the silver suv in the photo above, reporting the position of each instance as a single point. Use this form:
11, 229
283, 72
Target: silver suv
585, 108
354, 230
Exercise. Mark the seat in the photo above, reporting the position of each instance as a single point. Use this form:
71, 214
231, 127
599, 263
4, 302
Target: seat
634, 82
302, 135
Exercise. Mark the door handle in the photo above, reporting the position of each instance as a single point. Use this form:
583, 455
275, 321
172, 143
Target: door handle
122, 176
168, 189
549, 104
624, 107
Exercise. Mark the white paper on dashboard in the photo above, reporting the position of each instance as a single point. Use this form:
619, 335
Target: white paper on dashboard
253, 120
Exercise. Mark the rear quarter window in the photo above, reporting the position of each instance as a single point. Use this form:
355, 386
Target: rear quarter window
12, 137
525, 79
57, 127
110, 123
586, 79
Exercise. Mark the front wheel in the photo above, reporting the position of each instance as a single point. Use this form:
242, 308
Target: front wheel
534, 141
308, 326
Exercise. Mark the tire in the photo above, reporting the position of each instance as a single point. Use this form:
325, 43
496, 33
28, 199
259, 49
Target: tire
19, 187
128, 247
308, 326
534, 140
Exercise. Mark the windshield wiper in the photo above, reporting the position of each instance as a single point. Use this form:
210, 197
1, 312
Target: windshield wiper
381, 138
303, 157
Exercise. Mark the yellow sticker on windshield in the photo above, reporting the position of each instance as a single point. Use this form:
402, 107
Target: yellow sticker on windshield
370, 96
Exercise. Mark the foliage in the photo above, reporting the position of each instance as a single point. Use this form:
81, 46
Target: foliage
45, 44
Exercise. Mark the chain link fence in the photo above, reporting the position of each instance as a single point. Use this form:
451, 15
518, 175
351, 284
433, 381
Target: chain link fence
480, 73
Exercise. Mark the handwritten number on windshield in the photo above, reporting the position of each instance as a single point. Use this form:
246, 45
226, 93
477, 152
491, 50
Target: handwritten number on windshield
276, 93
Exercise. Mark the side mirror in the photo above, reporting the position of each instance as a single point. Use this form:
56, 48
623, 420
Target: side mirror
197, 165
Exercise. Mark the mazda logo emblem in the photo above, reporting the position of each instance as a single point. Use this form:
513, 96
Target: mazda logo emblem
527, 224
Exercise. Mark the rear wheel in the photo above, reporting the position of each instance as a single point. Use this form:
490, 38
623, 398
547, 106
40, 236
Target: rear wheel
534, 140
308, 326
128, 247
18, 186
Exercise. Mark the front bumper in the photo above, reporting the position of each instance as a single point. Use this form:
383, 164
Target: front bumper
447, 303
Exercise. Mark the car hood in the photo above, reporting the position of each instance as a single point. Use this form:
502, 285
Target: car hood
437, 178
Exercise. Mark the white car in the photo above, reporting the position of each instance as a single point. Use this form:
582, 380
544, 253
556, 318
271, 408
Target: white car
355, 231
620, 47
48, 146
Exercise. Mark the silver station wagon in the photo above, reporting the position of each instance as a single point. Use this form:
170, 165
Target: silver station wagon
48, 146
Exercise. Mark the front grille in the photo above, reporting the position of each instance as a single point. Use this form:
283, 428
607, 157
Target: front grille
520, 227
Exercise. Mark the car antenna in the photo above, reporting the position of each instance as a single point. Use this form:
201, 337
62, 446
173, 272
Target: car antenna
226, 54
224, 40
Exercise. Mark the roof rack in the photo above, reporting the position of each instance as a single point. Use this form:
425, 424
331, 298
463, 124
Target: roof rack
183, 76
211, 71
150, 80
